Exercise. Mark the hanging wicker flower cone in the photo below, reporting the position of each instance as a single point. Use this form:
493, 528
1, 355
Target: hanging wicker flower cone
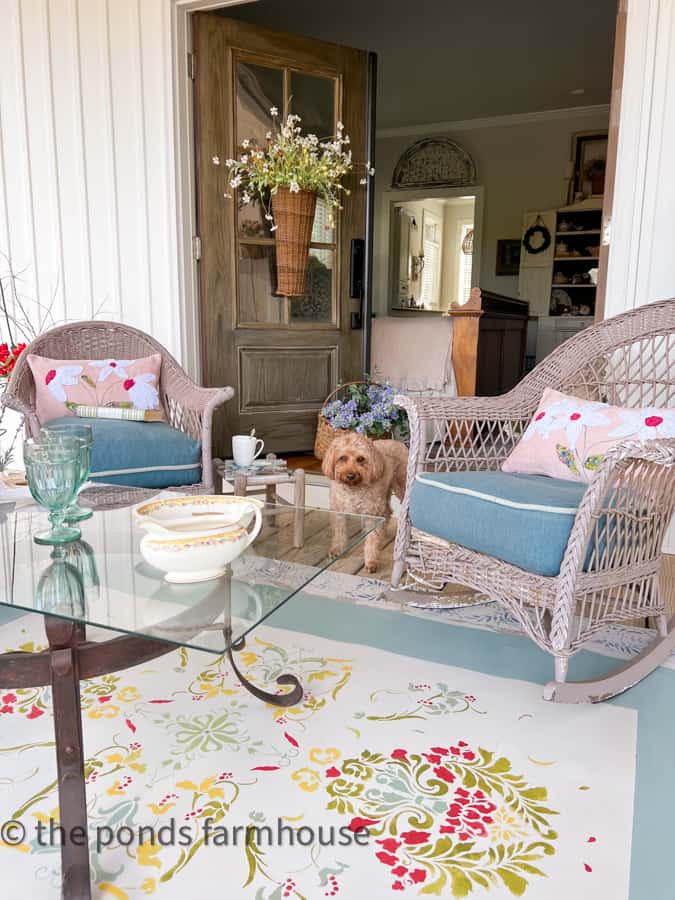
294, 217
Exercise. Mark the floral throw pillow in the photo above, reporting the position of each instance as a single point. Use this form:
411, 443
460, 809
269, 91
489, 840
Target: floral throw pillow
63, 384
568, 437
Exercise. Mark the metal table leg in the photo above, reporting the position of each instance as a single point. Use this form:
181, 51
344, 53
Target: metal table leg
63, 638
299, 502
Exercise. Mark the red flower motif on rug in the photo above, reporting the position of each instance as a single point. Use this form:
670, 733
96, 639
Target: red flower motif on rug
446, 820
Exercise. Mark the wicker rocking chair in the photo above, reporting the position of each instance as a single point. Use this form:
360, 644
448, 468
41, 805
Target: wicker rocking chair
188, 407
610, 567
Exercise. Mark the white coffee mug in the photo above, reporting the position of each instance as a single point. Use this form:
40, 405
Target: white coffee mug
246, 448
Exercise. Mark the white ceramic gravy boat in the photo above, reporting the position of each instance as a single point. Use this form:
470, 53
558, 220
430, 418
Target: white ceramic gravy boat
190, 550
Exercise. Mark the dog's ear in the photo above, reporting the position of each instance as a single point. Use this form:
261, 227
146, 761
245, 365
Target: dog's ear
375, 463
329, 460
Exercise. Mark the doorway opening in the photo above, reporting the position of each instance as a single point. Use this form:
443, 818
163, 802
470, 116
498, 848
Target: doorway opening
545, 89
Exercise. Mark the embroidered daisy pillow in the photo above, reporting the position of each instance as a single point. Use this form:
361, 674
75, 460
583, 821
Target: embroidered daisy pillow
568, 437
61, 384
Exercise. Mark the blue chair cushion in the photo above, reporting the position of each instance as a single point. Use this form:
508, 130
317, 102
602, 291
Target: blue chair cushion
524, 520
141, 454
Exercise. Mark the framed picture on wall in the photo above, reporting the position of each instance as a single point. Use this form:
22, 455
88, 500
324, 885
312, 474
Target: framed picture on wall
589, 155
508, 256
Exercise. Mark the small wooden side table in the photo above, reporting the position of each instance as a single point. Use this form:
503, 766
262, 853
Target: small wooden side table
258, 482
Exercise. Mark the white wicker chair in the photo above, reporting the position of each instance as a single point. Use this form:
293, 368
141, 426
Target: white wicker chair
621, 521
188, 407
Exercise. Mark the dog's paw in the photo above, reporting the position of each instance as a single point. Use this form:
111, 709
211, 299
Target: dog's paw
371, 565
334, 552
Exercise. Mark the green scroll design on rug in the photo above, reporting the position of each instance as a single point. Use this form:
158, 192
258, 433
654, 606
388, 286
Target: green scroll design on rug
453, 818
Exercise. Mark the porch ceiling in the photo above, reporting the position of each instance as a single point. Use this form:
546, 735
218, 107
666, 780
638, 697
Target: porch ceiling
447, 60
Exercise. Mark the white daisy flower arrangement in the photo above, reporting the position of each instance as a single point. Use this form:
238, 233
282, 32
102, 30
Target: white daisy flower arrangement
289, 159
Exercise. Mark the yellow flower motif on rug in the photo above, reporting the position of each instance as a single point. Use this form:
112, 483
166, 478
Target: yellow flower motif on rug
205, 787
106, 888
147, 853
506, 826
307, 779
324, 757
128, 695
130, 760
103, 712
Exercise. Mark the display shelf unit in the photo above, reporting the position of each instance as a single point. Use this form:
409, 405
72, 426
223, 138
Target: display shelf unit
576, 253
577, 233
557, 282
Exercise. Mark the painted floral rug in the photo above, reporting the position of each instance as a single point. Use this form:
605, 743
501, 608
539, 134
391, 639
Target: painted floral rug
394, 776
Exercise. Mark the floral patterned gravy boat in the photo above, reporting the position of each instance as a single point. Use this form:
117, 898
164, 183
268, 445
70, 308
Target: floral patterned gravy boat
195, 538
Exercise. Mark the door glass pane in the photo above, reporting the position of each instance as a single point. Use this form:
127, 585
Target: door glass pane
257, 285
258, 88
312, 97
252, 223
317, 304
322, 231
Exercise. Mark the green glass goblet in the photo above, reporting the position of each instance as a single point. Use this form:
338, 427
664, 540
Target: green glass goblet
62, 433
81, 555
53, 474
60, 590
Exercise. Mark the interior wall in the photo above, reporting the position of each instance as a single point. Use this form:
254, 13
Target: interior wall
521, 166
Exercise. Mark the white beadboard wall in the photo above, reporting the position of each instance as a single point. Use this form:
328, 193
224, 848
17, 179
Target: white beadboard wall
87, 181
641, 260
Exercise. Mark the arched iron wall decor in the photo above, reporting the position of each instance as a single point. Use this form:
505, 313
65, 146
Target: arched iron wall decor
434, 162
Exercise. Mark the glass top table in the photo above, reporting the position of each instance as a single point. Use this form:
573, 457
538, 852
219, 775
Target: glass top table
102, 580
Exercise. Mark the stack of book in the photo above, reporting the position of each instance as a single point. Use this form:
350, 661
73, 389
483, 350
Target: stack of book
258, 467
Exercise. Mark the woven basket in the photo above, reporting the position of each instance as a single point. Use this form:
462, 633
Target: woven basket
325, 433
294, 217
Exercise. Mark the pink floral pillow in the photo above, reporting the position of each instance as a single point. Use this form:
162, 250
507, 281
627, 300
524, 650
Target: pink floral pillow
62, 384
568, 437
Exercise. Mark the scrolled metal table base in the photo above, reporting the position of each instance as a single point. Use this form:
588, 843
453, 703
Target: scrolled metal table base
290, 698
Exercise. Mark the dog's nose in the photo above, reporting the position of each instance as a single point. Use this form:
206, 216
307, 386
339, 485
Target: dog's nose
350, 476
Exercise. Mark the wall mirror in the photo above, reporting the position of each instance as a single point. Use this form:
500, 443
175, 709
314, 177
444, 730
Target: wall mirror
434, 249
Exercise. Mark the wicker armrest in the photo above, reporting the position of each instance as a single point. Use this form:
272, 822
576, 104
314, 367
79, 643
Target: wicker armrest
465, 433
178, 387
190, 408
11, 401
186, 400
622, 518
515, 404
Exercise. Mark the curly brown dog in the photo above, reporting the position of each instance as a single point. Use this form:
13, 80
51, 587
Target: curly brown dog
363, 475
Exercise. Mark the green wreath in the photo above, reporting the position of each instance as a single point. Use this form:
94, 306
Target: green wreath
541, 229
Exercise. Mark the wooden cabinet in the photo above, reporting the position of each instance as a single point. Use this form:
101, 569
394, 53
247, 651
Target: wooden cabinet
502, 337
488, 343
555, 330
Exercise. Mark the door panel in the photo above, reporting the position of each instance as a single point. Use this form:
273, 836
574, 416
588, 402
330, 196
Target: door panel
288, 379
282, 355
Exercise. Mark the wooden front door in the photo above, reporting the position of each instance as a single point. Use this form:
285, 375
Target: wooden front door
283, 355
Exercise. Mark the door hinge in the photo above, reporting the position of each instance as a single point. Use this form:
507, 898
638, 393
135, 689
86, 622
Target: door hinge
196, 247
606, 231
191, 65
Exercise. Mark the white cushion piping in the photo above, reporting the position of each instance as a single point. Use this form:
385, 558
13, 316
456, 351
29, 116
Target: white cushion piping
181, 467
500, 501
